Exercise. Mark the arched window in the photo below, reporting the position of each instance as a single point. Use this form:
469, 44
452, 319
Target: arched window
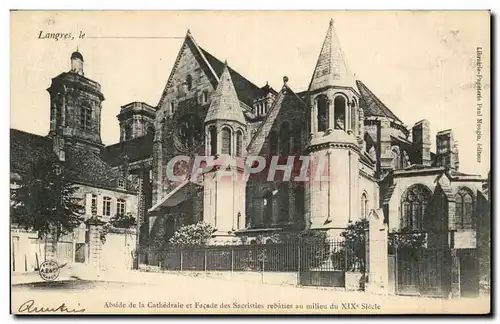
283, 196
464, 210
284, 139
213, 141
396, 158
339, 109
268, 208
322, 105
414, 204
226, 141
239, 143
189, 82
364, 206
273, 143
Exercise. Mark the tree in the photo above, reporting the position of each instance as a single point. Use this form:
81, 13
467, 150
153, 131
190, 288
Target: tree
194, 235
122, 221
45, 201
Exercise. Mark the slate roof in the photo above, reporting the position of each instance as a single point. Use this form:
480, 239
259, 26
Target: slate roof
247, 91
25, 148
81, 165
225, 104
331, 68
136, 149
372, 105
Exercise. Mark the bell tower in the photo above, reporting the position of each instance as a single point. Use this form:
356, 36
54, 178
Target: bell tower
224, 185
335, 140
76, 102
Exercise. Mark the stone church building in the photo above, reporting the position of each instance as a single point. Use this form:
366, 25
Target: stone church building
370, 159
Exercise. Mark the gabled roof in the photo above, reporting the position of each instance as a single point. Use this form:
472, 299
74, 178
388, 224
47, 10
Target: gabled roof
136, 149
331, 68
225, 104
372, 105
285, 98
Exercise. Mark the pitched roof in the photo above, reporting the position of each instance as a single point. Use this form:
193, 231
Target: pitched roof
81, 164
225, 104
331, 68
372, 105
136, 149
247, 91
25, 148
285, 100
85, 166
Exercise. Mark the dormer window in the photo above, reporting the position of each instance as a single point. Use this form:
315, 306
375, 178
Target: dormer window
121, 183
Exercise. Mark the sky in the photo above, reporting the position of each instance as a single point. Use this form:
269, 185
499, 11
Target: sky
420, 64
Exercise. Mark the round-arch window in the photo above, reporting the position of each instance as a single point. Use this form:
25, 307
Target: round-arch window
226, 141
189, 82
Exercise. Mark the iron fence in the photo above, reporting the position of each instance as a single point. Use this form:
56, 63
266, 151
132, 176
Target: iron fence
277, 257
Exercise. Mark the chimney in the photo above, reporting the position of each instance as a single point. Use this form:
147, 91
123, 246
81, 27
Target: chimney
421, 135
446, 150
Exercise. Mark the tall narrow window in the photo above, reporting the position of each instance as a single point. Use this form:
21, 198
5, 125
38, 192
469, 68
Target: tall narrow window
128, 132
339, 110
464, 210
120, 207
213, 141
364, 206
93, 205
226, 141
189, 82
106, 206
205, 96
297, 140
284, 208
268, 208
284, 139
414, 204
239, 143
322, 105
273, 143
85, 116
172, 108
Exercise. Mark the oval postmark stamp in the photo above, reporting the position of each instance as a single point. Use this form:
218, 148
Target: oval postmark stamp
49, 270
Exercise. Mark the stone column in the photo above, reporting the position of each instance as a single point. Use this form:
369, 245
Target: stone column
94, 227
377, 259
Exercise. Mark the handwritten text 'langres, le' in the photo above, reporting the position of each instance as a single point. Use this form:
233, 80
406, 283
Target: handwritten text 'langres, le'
59, 36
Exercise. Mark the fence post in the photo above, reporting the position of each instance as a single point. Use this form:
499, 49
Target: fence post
232, 260
299, 261
181, 260
346, 247
205, 260
263, 262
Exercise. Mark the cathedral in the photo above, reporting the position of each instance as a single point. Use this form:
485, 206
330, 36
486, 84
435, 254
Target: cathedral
371, 161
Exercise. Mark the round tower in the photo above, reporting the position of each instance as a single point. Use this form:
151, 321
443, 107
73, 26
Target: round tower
334, 145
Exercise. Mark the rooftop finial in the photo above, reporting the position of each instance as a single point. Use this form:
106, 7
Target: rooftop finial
225, 62
77, 48
285, 79
331, 21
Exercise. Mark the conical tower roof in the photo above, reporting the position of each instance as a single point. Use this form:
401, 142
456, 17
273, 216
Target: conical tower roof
331, 68
225, 104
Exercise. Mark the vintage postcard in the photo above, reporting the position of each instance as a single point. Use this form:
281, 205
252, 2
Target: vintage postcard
250, 162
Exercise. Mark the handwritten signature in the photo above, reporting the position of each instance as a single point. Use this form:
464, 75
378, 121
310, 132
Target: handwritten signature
30, 307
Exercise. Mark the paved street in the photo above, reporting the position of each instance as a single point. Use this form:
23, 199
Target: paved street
170, 293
